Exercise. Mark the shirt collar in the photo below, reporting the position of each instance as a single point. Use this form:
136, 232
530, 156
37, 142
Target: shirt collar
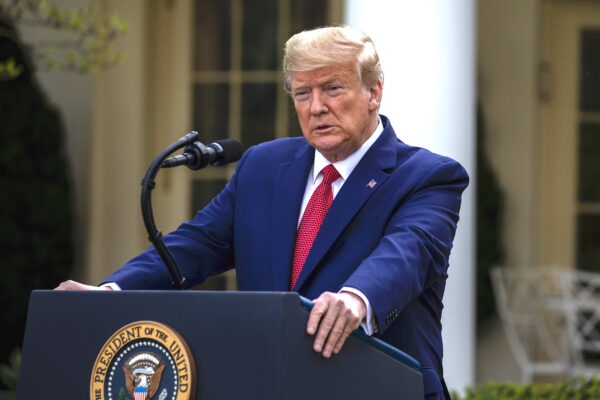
347, 165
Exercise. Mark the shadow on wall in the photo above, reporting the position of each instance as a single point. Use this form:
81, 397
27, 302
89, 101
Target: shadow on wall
489, 212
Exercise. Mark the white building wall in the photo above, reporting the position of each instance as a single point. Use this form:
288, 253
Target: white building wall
71, 94
508, 61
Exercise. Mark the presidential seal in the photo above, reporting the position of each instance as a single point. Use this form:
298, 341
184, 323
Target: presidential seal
142, 361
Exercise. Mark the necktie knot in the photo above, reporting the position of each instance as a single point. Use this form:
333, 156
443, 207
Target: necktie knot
330, 174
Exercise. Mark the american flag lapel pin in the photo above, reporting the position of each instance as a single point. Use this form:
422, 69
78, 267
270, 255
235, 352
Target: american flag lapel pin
371, 184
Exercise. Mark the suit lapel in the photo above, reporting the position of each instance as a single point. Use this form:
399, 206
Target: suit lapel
290, 184
355, 192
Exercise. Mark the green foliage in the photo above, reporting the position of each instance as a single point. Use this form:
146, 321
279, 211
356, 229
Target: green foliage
123, 395
580, 389
9, 373
82, 40
9, 69
36, 240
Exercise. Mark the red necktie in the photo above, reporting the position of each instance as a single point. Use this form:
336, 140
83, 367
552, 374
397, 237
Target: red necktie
313, 217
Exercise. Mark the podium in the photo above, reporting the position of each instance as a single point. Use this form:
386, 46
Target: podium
244, 345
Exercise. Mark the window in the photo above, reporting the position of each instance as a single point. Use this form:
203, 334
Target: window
237, 84
588, 199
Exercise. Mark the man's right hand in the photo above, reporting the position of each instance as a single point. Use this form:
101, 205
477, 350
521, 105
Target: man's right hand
72, 285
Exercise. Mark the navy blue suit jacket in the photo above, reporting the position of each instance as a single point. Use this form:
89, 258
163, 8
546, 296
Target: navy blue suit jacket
391, 241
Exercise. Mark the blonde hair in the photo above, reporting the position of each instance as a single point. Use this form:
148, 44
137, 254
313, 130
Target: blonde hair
329, 46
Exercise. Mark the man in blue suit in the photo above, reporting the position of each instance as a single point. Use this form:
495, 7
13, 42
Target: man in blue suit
348, 215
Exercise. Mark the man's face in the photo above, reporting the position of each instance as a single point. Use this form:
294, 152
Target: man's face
336, 113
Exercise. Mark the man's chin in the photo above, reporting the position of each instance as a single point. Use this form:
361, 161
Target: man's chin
332, 153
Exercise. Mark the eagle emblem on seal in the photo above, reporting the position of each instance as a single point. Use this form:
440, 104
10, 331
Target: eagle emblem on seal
143, 373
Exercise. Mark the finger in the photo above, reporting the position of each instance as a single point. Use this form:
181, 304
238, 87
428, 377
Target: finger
336, 333
325, 327
319, 308
342, 340
345, 324
73, 285
67, 285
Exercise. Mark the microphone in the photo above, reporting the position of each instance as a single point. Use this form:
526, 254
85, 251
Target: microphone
196, 155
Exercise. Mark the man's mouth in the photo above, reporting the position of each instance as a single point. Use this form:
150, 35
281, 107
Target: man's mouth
323, 128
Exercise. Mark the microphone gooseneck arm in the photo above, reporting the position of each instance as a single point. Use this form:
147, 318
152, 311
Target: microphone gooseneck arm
154, 235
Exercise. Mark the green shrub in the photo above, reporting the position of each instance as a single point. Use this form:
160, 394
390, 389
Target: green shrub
580, 389
9, 373
36, 243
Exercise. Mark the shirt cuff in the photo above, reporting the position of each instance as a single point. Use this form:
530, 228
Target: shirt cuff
369, 325
111, 285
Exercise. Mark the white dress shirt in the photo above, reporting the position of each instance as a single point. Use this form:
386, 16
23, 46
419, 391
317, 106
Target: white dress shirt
345, 168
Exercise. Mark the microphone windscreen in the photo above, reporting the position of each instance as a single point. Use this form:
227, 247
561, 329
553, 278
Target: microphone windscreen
232, 150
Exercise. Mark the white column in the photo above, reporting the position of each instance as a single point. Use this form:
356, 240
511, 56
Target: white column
427, 51
119, 135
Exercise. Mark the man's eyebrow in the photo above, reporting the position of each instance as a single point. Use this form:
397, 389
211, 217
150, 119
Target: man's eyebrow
300, 86
335, 79
329, 80
326, 81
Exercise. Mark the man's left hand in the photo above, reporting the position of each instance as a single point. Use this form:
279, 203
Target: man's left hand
336, 315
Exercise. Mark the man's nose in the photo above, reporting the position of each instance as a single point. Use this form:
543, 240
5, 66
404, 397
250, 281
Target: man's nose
317, 105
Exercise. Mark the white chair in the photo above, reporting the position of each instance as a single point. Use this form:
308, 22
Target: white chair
582, 313
526, 300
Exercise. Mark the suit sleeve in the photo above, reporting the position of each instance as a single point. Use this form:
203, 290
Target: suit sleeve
201, 247
413, 252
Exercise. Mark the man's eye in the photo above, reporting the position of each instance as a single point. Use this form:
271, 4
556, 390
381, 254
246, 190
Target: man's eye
334, 89
303, 95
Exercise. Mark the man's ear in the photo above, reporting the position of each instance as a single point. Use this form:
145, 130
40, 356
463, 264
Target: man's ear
375, 93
